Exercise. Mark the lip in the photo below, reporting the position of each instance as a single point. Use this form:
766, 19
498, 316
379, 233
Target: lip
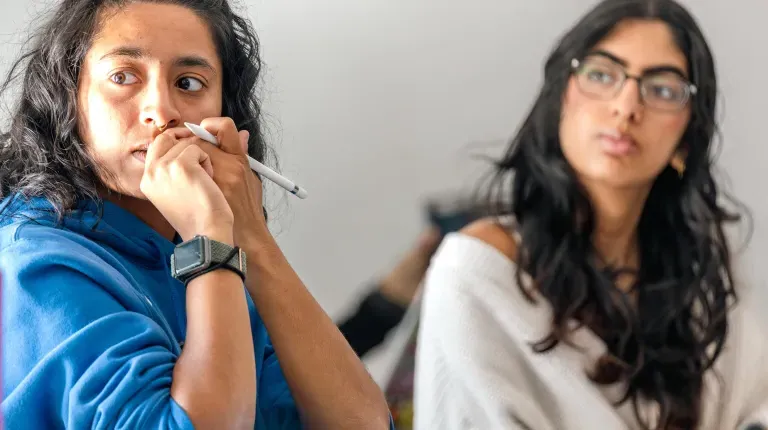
140, 155
139, 152
142, 147
617, 144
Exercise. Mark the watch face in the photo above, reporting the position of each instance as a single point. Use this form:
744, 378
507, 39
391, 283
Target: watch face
190, 256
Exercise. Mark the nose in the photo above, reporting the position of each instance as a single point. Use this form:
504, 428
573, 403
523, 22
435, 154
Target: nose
158, 107
628, 104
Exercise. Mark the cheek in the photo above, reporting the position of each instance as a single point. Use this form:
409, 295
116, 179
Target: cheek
112, 113
217, 105
104, 121
667, 130
674, 125
198, 109
576, 119
208, 105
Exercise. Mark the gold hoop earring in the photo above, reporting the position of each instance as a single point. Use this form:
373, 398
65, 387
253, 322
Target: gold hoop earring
678, 163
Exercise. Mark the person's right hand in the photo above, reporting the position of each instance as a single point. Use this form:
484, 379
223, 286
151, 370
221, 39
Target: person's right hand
178, 180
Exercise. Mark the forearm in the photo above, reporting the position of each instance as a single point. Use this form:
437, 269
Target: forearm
330, 385
214, 379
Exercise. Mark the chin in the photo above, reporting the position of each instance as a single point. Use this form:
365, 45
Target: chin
621, 182
125, 192
122, 180
617, 177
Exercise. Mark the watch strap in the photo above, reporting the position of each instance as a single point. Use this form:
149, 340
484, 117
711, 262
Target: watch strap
222, 253
224, 264
218, 255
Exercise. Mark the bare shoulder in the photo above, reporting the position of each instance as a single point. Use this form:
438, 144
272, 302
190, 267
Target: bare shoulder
493, 233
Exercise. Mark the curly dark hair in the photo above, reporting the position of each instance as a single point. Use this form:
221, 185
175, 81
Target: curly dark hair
42, 155
662, 343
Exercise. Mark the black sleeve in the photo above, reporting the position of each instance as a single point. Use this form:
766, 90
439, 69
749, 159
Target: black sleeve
374, 318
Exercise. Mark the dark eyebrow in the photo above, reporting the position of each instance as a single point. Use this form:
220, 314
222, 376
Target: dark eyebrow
650, 70
125, 51
140, 54
194, 61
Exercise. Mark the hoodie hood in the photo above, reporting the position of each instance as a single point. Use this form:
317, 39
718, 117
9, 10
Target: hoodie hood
103, 222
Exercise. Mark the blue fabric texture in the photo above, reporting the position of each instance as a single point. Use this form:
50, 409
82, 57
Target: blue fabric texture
92, 324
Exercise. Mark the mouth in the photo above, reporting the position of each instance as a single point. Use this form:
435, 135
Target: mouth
140, 155
140, 152
617, 144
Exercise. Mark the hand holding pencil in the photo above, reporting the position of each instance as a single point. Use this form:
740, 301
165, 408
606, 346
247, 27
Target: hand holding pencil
257, 167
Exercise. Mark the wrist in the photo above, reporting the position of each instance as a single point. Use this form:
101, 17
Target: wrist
221, 234
221, 275
389, 290
266, 263
257, 242
206, 253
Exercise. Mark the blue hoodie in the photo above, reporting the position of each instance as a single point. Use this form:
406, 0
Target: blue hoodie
93, 322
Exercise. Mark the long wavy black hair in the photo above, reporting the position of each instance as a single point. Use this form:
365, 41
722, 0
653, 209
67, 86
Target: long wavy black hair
41, 153
662, 341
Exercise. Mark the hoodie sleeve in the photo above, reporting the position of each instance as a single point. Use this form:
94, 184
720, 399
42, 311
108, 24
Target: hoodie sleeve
277, 409
79, 350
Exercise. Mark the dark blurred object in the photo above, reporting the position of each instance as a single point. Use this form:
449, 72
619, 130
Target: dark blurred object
374, 318
755, 426
450, 213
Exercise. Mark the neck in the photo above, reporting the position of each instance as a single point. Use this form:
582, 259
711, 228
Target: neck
617, 215
143, 210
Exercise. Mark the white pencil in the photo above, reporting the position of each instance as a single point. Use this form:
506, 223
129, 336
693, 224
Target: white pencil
255, 165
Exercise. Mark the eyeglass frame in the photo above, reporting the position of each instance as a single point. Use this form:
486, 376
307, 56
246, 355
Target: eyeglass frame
690, 87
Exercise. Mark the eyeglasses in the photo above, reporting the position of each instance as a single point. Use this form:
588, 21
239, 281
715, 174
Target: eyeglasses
603, 79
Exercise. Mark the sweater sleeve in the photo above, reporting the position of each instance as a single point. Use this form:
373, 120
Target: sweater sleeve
374, 318
467, 375
78, 351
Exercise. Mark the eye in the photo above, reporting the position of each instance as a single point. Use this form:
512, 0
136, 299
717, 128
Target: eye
191, 84
600, 76
124, 78
665, 89
663, 92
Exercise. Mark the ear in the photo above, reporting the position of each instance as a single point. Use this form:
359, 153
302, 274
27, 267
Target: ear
679, 159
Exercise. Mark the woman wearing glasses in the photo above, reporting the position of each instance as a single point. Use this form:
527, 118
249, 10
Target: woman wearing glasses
601, 297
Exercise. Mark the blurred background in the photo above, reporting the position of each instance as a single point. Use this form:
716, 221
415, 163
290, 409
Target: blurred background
376, 106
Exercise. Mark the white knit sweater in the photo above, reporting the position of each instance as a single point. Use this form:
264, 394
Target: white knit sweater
475, 368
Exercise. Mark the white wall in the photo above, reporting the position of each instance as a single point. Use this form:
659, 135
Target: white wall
374, 104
